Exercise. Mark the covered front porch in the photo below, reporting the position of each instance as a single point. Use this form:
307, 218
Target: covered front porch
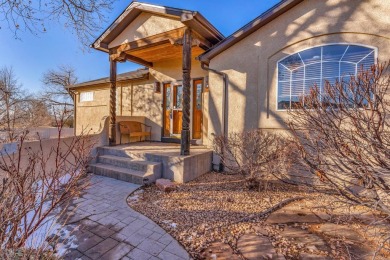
166, 41
144, 162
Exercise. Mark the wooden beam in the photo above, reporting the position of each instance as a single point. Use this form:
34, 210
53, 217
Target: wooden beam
161, 38
113, 74
200, 41
124, 57
187, 56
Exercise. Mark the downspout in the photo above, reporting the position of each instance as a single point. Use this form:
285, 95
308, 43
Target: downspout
224, 95
224, 107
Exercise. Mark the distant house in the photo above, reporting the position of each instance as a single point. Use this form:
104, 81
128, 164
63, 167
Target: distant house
243, 81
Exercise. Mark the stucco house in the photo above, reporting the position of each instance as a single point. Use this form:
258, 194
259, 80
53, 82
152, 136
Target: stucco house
242, 81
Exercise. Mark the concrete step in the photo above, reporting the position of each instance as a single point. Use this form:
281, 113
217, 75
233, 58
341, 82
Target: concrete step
129, 154
115, 152
129, 163
123, 174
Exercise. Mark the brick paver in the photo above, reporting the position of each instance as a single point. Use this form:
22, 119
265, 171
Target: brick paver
103, 226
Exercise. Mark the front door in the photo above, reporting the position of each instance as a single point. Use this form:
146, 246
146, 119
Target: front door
173, 109
197, 90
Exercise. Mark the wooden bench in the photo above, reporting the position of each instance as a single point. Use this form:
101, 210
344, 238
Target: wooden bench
134, 129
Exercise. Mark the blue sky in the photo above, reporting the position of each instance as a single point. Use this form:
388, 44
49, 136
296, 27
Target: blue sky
30, 56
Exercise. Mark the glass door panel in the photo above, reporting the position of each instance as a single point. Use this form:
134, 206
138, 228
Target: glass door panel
167, 106
177, 109
197, 117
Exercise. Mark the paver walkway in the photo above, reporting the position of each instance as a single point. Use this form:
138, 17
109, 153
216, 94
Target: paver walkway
102, 226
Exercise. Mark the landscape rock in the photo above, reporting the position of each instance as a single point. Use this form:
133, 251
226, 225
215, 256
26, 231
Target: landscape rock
165, 185
292, 216
340, 231
310, 241
257, 247
219, 250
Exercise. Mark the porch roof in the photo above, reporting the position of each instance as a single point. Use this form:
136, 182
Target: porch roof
131, 75
251, 27
191, 19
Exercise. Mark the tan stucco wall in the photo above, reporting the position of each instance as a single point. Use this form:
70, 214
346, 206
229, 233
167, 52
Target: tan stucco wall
90, 113
145, 25
251, 63
47, 146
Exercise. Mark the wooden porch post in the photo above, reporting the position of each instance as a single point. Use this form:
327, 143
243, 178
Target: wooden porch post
185, 133
112, 133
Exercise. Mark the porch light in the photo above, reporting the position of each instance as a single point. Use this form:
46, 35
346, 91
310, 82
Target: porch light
157, 87
206, 84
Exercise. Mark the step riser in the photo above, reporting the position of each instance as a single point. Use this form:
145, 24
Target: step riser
114, 152
129, 154
129, 165
123, 176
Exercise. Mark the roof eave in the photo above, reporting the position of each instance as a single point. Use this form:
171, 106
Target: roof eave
189, 18
248, 29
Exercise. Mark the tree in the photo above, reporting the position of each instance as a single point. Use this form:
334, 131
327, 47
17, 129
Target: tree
84, 17
55, 86
343, 136
19, 111
13, 106
39, 113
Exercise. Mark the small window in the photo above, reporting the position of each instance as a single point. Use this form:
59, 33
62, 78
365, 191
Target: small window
86, 96
301, 71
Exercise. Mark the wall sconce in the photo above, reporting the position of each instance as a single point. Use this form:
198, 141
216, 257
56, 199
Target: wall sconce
157, 87
206, 84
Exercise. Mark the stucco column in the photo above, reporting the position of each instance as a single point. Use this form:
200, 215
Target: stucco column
112, 133
185, 133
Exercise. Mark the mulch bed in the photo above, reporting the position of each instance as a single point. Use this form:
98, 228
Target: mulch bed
220, 208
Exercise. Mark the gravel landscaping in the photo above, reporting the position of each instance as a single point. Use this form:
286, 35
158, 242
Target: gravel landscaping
216, 216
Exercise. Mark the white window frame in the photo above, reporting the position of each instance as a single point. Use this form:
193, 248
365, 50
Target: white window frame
311, 47
86, 96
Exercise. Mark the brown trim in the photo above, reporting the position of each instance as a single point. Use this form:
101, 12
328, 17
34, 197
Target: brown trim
249, 28
129, 76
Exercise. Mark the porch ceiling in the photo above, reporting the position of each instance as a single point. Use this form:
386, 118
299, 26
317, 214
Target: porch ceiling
163, 52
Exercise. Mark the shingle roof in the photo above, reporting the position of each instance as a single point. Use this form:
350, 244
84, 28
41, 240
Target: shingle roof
263, 19
132, 75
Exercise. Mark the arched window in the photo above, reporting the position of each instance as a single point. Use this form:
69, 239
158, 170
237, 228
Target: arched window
299, 72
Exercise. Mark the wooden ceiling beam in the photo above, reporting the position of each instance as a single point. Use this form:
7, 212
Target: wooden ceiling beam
154, 40
127, 57
200, 41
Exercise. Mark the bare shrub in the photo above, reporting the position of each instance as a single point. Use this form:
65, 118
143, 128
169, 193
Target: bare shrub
342, 134
256, 154
40, 179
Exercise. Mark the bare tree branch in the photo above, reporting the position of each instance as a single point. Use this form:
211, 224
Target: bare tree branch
83, 17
